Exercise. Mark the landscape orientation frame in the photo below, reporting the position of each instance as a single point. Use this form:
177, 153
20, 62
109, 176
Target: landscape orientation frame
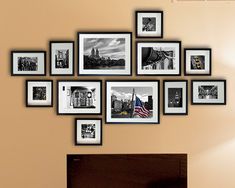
132, 101
104, 53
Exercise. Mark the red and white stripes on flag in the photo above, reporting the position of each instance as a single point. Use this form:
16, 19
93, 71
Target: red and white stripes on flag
140, 109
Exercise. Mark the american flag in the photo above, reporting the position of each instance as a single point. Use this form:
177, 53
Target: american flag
140, 109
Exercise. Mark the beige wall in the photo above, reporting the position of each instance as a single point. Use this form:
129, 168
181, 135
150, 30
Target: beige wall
34, 141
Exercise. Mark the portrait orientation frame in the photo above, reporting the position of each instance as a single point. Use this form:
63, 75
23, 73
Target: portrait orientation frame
39, 103
81, 71
41, 72
155, 84
221, 90
61, 42
206, 52
151, 13
150, 54
97, 111
100, 135
181, 84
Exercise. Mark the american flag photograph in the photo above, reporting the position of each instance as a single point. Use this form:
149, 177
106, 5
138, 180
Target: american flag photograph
140, 109
131, 102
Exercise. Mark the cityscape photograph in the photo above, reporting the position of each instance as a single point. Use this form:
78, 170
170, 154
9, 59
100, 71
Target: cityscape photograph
27, 63
131, 102
208, 92
81, 97
154, 58
175, 97
39, 93
62, 58
104, 53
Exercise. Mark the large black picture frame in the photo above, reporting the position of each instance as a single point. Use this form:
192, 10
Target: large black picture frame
102, 33
177, 73
136, 122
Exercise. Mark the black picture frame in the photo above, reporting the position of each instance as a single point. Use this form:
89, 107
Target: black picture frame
73, 56
209, 63
149, 11
27, 96
88, 81
161, 42
88, 144
129, 122
28, 51
186, 97
224, 99
100, 33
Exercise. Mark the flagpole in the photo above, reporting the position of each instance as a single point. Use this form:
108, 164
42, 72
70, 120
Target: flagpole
132, 104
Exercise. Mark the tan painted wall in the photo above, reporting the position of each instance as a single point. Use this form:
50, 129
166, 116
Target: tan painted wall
34, 141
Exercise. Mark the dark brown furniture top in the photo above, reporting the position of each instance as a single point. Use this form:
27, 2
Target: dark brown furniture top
127, 171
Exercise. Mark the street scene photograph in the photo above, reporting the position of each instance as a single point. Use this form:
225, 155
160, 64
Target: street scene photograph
131, 102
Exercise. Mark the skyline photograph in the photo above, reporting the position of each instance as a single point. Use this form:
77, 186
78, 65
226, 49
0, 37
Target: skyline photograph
113, 48
125, 93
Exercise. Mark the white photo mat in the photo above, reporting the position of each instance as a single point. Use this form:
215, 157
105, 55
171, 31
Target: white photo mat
190, 53
180, 84
162, 45
96, 140
41, 62
126, 71
153, 84
63, 101
31, 101
141, 15
221, 91
62, 46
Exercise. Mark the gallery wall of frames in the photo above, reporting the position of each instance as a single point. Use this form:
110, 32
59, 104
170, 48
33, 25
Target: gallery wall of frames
110, 54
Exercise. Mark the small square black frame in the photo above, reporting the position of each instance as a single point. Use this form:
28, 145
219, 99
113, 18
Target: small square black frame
26, 93
107, 32
166, 113
101, 97
101, 132
28, 51
213, 80
210, 56
168, 41
50, 48
148, 11
158, 107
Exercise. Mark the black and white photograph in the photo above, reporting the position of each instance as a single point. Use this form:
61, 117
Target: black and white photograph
88, 131
39, 93
149, 24
104, 53
175, 97
132, 102
158, 58
28, 63
79, 97
62, 58
197, 61
208, 92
